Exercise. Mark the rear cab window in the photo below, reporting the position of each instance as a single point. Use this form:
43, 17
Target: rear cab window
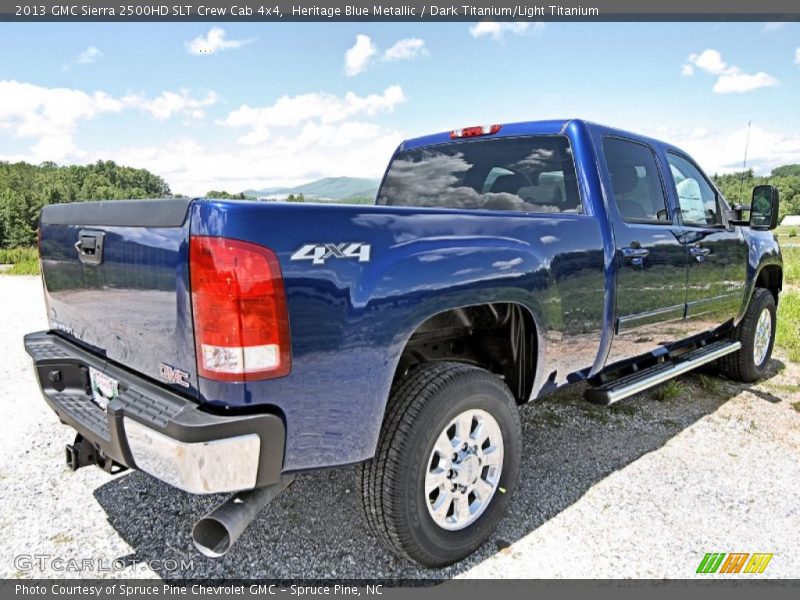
533, 174
635, 181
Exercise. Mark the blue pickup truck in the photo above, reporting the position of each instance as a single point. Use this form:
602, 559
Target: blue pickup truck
225, 346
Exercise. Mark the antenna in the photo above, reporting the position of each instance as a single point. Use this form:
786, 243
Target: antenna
744, 162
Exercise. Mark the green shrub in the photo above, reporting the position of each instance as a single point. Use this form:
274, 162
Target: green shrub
23, 261
789, 324
709, 384
668, 391
791, 267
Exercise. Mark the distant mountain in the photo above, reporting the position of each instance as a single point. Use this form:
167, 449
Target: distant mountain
335, 188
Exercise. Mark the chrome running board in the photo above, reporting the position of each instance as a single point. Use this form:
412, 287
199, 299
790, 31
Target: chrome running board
618, 389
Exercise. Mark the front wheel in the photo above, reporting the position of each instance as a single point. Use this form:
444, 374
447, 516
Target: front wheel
446, 464
756, 333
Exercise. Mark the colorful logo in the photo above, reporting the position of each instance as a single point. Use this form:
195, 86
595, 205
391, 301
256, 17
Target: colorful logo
734, 562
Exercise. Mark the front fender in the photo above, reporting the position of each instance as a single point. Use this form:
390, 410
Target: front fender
763, 252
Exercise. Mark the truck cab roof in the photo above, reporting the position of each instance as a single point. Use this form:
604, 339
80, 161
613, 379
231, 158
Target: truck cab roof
544, 127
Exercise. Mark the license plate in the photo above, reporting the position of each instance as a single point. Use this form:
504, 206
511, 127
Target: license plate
104, 388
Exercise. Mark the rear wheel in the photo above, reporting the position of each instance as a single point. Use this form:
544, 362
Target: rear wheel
756, 333
446, 464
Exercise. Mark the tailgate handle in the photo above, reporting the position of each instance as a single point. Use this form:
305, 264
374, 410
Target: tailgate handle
90, 247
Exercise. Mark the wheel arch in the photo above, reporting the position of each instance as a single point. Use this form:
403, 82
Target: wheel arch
770, 277
499, 336
764, 274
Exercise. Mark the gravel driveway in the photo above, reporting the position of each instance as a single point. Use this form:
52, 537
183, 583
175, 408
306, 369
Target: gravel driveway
643, 489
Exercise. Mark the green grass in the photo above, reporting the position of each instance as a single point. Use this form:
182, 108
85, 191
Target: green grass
13, 255
788, 334
625, 408
668, 391
783, 387
796, 406
709, 384
24, 261
594, 412
791, 267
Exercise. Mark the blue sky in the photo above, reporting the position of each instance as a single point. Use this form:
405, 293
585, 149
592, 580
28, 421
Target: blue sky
233, 106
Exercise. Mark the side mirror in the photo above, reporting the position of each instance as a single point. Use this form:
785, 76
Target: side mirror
764, 208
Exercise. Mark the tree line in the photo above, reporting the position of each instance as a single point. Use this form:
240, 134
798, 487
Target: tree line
26, 188
738, 187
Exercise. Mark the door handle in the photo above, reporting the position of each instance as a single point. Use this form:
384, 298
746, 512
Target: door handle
90, 247
636, 254
699, 252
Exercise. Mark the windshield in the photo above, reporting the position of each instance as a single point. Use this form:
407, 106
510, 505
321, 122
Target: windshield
531, 174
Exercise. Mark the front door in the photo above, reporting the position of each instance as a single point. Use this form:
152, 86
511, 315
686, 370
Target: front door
716, 253
650, 254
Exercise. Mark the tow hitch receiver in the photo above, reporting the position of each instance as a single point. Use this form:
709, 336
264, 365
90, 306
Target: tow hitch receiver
82, 453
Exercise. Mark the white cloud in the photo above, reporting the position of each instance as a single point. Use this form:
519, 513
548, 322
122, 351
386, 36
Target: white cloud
497, 31
169, 104
721, 151
214, 41
50, 116
362, 54
89, 56
772, 26
797, 56
312, 135
730, 78
698, 132
739, 83
709, 61
291, 111
293, 140
357, 58
406, 49
315, 151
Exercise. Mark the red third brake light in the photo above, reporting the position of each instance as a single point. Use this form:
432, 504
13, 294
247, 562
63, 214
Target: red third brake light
474, 131
240, 319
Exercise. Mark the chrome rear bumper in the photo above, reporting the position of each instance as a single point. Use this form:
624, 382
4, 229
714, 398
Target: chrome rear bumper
155, 430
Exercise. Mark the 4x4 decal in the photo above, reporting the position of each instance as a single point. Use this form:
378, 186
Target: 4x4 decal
319, 253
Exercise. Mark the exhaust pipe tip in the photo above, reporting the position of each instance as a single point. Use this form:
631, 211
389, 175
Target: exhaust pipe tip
211, 537
217, 532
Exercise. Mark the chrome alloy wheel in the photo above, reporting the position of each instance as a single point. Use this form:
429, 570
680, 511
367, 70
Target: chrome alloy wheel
762, 338
464, 469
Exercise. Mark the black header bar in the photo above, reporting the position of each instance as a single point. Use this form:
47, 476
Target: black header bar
397, 10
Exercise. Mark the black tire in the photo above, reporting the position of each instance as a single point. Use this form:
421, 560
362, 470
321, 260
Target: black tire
392, 484
741, 365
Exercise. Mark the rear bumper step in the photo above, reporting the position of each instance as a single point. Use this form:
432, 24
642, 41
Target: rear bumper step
621, 388
153, 429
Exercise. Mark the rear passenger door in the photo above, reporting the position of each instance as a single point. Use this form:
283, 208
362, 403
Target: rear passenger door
650, 255
716, 253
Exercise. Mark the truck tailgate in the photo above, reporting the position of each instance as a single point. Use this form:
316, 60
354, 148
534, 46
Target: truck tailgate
117, 282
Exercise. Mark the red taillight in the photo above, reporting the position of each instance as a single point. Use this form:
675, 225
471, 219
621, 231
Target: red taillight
241, 323
474, 131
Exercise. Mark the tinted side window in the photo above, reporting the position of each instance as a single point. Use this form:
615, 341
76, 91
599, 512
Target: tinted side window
697, 198
635, 181
530, 174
